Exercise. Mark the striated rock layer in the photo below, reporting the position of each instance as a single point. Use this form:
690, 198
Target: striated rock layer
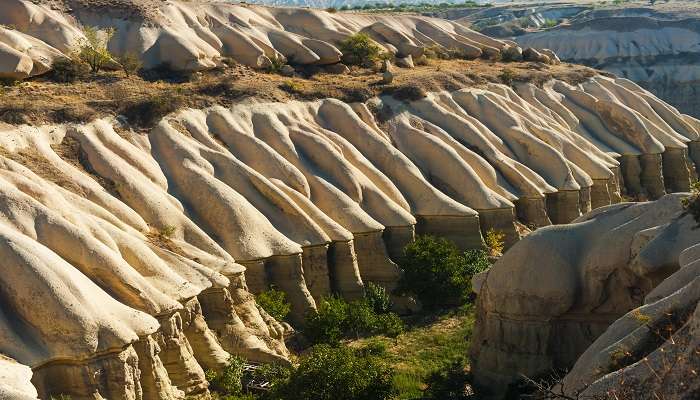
143, 248
196, 35
618, 305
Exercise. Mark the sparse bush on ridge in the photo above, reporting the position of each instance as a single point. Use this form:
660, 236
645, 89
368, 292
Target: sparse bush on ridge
147, 112
69, 70
360, 49
93, 49
130, 63
437, 273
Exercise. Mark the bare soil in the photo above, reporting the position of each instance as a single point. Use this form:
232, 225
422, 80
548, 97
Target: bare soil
144, 99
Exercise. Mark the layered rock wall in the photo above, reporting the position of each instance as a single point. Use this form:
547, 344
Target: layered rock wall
617, 310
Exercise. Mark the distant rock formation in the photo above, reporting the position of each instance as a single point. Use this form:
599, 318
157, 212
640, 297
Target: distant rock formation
654, 46
619, 305
196, 35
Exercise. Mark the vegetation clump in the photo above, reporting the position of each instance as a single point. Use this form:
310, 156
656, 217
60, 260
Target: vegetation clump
148, 111
495, 242
229, 380
336, 319
275, 303
130, 63
69, 70
360, 49
437, 274
93, 49
336, 373
691, 204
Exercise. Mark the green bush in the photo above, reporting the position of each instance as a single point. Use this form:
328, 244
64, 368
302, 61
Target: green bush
691, 204
68, 70
148, 111
93, 49
228, 381
275, 303
449, 383
437, 273
390, 325
378, 298
326, 324
336, 373
335, 319
360, 49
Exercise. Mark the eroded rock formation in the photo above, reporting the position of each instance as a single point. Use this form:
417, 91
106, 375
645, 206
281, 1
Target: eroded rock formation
131, 257
628, 261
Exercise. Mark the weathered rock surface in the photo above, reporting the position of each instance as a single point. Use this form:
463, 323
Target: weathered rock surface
618, 305
655, 45
135, 256
195, 35
170, 231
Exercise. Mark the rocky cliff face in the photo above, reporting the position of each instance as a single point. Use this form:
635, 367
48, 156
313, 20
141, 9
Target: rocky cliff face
620, 307
131, 256
311, 197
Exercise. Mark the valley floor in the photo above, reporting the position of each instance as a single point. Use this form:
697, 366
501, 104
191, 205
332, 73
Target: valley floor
432, 342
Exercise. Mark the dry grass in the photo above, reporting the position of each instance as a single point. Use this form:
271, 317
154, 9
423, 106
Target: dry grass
40, 101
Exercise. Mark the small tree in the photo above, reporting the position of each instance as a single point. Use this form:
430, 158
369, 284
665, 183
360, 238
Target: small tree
437, 273
228, 381
130, 63
93, 49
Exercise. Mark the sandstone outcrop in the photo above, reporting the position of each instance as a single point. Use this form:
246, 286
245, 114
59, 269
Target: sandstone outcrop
134, 256
196, 35
628, 261
654, 45
170, 231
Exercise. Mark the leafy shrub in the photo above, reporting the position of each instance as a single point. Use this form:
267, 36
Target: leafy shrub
437, 273
691, 204
507, 77
93, 49
377, 298
276, 64
336, 373
332, 10
550, 23
228, 381
130, 63
326, 324
69, 70
290, 86
389, 324
360, 49
275, 303
449, 383
336, 319
495, 241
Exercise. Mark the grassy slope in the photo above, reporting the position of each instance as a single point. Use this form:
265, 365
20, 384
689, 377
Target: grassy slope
430, 342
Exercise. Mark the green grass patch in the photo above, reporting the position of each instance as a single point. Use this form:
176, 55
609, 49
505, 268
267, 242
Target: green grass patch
431, 343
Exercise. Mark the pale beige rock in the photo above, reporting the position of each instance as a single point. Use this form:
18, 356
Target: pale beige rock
15, 381
602, 266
